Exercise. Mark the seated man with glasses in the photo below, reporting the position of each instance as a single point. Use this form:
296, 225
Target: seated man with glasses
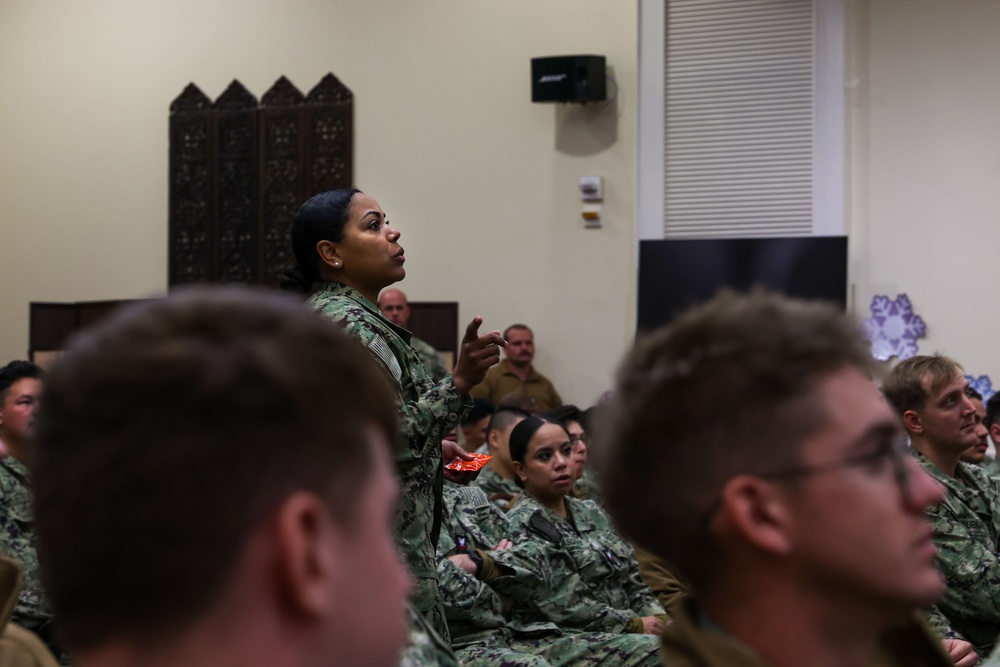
794, 512
931, 395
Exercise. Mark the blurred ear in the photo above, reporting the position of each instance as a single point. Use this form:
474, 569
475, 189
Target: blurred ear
912, 421
518, 469
308, 554
758, 513
994, 431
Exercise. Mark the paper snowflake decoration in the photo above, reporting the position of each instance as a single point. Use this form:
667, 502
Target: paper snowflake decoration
982, 384
893, 329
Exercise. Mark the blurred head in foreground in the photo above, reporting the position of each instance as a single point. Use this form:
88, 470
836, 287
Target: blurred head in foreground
213, 482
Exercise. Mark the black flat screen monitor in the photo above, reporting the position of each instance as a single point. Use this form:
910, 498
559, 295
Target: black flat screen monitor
676, 274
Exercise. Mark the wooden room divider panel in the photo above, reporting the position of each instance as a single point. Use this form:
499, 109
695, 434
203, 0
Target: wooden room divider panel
239, 170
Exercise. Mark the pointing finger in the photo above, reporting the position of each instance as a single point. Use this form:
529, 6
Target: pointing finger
472, 331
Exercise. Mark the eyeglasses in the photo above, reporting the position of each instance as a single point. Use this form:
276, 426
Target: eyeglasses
896, 451
579, 437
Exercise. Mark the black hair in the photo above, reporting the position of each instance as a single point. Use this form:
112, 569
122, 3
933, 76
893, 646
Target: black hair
322, 218
563, 414
517, 326
481, 407
17, 370
972, 393
520, 438
992, 411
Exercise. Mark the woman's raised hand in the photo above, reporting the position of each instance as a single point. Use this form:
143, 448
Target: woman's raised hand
476, 356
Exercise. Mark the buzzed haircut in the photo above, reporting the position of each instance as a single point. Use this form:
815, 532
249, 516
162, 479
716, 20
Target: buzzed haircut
516, 400
667, 449
992, 411
503, 418
17, 370
512, 327
170, 431
904, 386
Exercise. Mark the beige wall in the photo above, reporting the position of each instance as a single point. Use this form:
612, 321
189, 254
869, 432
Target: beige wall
926, 162
481, 181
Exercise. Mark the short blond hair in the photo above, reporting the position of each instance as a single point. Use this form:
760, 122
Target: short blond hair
904, 386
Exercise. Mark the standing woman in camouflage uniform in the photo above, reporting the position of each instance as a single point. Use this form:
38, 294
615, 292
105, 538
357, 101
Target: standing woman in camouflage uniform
585, 576
346, 253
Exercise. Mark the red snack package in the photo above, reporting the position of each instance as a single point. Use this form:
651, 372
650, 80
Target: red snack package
478, 461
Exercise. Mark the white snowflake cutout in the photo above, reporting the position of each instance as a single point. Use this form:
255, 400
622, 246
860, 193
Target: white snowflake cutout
893, 328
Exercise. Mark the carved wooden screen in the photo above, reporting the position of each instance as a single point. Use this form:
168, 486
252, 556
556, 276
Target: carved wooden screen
239, 171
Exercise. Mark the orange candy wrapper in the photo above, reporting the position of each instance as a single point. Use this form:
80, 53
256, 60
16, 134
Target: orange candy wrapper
476, 463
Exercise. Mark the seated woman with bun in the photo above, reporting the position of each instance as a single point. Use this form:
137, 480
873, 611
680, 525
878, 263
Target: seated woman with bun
584, 576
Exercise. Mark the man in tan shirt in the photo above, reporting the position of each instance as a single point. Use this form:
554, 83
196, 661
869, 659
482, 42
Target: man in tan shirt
515, 374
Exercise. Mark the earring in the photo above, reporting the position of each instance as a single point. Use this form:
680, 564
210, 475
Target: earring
336, 264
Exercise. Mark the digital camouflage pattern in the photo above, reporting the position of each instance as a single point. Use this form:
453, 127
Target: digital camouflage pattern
990, 465
430, 358
583, 575
424, 647
966, 535
586, 487
481, 633
17, 541
593, 649
499, 490
475, 611
427, 411
994, 658
692, 640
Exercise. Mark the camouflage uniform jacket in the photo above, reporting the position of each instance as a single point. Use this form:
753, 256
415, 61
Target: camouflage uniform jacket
17, 541
991, 465
474, 610
428, 411
586, 487
584, 575
966, 534
693, 641
431, 358
496, 488
424, 647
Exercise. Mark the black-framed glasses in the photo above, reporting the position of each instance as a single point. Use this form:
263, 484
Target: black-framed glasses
896, 451
579, 437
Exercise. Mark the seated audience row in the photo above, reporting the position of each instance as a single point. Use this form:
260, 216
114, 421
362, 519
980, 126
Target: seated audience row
806, 539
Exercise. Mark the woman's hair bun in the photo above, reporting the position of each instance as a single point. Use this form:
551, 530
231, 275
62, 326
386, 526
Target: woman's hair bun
295, 280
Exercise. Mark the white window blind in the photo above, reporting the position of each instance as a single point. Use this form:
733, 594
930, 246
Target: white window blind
739, 118
721, 119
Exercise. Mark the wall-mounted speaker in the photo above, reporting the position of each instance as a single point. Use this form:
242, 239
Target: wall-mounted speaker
568, 79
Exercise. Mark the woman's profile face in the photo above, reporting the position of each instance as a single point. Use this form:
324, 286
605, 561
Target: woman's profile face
548, 470
578, 438
370, 255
